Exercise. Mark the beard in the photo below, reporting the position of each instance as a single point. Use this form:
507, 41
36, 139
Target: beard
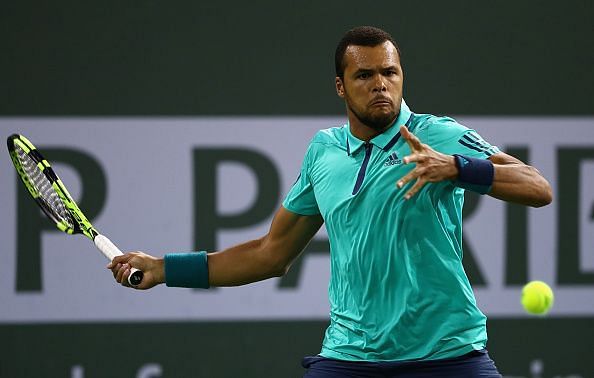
378, 122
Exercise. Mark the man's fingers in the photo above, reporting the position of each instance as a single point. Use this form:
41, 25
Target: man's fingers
415, 188
122, 259
404, 132
412, 158
125, 277
121, 267
120, 273
428, 164
413, 142
115, 269
408, 177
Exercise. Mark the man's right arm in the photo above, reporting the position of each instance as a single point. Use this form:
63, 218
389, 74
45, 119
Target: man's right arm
269, 256
256, 260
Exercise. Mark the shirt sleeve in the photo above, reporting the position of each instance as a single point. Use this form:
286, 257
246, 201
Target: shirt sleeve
449, 137
301, 198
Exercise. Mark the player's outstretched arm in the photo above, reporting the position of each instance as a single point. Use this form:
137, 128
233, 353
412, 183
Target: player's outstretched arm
256, 260
269, 256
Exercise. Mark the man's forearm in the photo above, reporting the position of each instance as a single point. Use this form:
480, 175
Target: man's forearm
521, 184
242, 264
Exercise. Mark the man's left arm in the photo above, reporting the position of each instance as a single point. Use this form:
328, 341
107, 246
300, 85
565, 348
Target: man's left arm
514, 181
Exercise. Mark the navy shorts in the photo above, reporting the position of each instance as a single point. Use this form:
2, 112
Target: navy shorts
473, 364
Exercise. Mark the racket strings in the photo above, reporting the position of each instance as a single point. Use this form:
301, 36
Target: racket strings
43, 185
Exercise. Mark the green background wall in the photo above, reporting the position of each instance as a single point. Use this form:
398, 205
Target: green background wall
276, 57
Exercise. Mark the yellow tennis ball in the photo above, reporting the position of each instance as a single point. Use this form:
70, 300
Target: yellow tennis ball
537, 297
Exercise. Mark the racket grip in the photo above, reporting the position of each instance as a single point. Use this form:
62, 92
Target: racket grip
110, 251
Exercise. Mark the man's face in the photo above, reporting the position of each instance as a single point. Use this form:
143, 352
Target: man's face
372, 84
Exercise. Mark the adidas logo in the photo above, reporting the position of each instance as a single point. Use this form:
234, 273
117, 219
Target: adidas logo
392, 160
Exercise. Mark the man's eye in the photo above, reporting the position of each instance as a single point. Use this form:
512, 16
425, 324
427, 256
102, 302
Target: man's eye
364, 75
391, 73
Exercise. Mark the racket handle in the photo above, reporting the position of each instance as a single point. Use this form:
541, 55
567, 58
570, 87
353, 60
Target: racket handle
110, 251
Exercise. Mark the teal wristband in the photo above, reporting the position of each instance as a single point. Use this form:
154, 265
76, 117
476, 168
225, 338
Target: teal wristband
187, 270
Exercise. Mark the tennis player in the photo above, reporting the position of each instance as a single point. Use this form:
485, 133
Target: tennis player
389, 185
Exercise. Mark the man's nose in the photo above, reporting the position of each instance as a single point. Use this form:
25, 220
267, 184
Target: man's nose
379, 85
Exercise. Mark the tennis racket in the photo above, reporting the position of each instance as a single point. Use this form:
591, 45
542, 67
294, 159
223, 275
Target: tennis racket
51, 195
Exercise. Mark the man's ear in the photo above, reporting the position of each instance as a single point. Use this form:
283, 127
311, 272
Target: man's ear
339, 87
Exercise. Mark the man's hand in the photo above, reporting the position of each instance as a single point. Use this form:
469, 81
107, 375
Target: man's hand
431, 166
152, 268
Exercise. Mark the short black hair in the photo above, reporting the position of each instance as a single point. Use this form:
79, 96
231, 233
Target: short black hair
360, 36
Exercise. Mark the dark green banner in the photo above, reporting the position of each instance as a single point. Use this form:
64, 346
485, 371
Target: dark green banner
530, 347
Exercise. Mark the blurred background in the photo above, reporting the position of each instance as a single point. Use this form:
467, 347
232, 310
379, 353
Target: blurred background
230, 93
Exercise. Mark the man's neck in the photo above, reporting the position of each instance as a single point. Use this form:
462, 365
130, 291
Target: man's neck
364, 132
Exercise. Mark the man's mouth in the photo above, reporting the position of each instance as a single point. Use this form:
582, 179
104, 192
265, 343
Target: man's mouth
381, 102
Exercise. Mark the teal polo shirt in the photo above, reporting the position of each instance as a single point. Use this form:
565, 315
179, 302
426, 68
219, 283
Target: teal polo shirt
397, 287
